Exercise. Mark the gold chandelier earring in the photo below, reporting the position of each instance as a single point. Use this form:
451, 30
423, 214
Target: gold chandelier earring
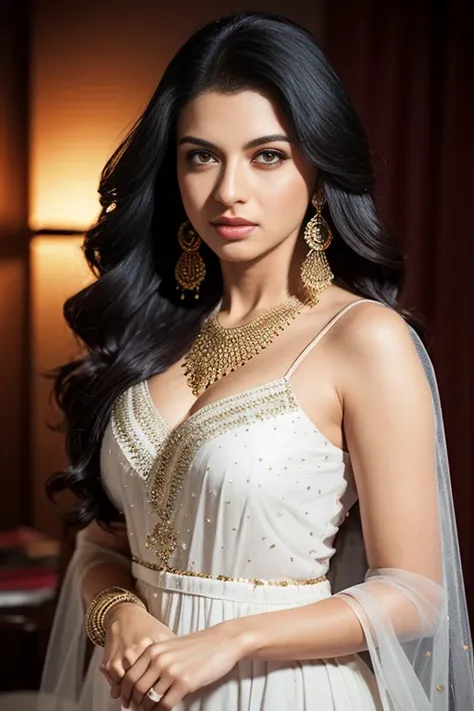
316, 273
190, 268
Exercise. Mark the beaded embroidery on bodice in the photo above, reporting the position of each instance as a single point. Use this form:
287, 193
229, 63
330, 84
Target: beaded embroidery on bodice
246, 486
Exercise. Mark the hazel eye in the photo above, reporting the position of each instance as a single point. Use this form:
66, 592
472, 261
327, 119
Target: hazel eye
200, 158
270, 157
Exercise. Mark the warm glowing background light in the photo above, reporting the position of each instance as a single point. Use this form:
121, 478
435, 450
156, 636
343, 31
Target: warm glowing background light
86, 93
70, 143
58, 270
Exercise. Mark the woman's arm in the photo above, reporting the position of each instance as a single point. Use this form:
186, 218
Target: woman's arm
129, 628
389, 427
106, 573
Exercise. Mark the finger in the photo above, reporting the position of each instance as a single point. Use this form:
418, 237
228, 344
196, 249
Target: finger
115, 691
107, 678
151, 704
158, 689
113, 672
132, 676
150, 679
172, 698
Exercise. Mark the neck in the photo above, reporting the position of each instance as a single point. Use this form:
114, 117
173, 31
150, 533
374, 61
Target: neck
253, 287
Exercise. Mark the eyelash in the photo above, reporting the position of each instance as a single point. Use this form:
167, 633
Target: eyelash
272, 151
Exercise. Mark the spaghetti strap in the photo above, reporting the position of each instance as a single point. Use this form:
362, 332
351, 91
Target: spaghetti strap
323, 332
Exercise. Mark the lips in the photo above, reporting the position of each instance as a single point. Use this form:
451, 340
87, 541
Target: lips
234, 231
233, 222
233, 227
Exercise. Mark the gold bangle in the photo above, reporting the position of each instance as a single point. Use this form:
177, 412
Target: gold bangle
101, 604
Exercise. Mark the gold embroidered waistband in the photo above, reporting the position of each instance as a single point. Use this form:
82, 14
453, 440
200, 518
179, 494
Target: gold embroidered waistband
229, 579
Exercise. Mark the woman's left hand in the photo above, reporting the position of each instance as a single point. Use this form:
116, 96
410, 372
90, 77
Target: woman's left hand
178, 666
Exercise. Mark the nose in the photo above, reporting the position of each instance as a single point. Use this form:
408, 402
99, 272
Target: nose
231, 185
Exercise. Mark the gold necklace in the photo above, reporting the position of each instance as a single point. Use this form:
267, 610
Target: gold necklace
217, 351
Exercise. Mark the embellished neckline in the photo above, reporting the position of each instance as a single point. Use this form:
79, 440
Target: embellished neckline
282, 382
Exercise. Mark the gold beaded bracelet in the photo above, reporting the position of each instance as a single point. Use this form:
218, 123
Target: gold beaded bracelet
100, 606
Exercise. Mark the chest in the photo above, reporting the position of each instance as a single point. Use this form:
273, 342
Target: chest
260, 439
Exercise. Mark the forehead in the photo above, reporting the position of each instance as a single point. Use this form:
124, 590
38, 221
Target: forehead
231, 118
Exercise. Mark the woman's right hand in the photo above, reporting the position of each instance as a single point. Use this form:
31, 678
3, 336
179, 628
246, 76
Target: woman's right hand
130, 630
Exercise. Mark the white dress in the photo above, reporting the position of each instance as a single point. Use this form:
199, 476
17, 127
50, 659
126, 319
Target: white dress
237, 505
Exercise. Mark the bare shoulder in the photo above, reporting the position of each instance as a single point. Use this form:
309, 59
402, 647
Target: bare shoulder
374, 345
373, 331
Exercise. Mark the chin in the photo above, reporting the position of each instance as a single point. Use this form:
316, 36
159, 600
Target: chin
236, 252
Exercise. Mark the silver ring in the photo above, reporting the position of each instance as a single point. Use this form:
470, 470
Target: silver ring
154, 695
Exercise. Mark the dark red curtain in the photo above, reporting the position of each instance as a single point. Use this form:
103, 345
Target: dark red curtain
410, 71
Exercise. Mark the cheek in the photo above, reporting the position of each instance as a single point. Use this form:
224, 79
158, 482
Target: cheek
194, 191
287, 199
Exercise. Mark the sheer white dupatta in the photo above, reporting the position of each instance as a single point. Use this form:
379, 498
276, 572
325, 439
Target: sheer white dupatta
431, 669
69, 683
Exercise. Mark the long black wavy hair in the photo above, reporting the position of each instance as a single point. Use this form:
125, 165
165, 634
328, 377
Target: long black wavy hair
130, 321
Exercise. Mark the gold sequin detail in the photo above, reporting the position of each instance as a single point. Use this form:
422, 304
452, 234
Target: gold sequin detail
127, 413
229, 579
440, 687
178, 451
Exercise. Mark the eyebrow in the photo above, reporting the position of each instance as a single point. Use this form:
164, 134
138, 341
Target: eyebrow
251, 144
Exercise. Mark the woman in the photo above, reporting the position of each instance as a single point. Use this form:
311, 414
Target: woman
213, 463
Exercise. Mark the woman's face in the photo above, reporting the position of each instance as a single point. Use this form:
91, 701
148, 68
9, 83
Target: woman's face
235, 160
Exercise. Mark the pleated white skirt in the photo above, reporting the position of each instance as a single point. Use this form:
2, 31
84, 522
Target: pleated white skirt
188, 604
